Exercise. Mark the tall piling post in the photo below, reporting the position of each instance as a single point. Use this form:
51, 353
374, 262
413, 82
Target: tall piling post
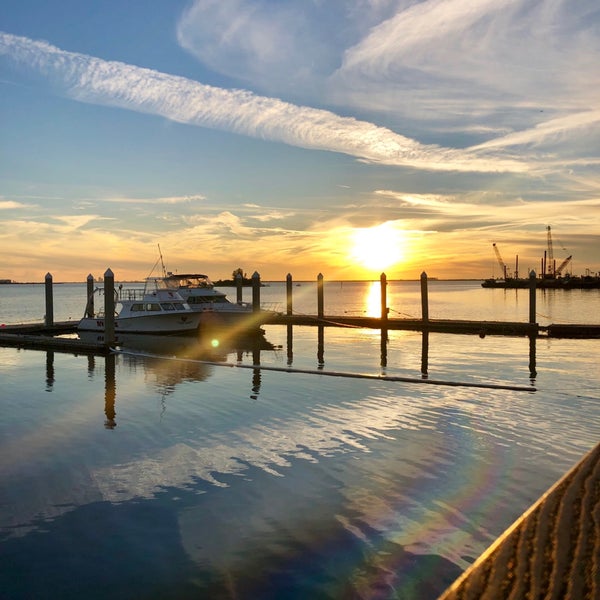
288, 293
238, 287
320, 303
109, 308
532, 295
255, 292
89, 307
424, 299
49, 318
384, 307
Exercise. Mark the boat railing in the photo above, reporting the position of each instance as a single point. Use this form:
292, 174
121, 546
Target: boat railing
131, 293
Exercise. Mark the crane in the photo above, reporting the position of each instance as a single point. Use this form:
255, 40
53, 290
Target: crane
563, 264
500, 261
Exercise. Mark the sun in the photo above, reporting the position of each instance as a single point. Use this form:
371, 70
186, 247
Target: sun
378, 247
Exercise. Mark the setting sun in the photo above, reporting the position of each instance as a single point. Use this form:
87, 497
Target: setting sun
377, 247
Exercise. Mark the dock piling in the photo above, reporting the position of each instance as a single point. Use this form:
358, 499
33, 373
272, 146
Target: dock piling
320, 303
532, 288
288, 293
109, 308
384, 307
424, 298
255, 292
89, 307
238, 287
49, 318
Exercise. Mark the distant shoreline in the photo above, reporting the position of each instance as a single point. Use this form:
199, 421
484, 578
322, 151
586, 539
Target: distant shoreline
229, 283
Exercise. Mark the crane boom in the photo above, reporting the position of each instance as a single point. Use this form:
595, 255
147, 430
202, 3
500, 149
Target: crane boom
500, 261
563, 264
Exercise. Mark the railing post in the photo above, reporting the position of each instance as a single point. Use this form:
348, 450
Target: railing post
288, 293
109, 308
238, 286
49, 318
532, 294
255, 292
89, 307
424, 298
320, 304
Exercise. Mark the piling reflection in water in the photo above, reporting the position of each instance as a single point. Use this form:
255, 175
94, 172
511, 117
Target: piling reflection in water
321, 347
384, 347
425, 354
110, 392
201, 355
155, 354
49, 370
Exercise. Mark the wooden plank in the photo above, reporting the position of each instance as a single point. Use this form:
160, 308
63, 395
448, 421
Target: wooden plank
552, 551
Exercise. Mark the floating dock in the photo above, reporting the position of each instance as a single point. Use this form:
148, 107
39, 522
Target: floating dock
42, 337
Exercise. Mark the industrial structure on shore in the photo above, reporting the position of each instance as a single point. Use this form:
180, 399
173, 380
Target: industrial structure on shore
550, 276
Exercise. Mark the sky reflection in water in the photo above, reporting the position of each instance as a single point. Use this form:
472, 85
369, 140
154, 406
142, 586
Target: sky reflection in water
160, 477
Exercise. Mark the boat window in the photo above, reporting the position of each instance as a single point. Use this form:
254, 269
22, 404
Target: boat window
152, 306
167, 306
178, 306
137, 307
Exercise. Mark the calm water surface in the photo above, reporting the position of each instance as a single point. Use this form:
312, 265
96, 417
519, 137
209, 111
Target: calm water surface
137, 476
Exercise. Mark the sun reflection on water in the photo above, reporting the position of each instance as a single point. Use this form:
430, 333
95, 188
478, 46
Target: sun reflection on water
373, 300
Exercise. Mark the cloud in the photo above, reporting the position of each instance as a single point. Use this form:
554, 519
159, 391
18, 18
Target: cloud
10, 204
159, 201
477, 68
96, 81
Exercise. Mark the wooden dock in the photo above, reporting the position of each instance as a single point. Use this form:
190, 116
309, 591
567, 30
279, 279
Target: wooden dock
41, 336
552, 551
481, 328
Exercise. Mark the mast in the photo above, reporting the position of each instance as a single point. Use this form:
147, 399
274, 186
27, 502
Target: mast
162, 264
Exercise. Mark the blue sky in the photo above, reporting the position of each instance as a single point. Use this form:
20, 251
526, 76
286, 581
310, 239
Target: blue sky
294, 136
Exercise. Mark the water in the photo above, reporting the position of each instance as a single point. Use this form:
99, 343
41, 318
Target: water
139, 477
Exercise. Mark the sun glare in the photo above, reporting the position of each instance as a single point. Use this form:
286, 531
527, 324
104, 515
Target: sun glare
378, 247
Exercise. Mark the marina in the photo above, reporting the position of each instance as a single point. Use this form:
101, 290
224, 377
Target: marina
350, 400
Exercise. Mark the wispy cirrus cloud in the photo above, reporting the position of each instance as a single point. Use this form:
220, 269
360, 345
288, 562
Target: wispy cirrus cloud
92, 80
464, 70
158, 201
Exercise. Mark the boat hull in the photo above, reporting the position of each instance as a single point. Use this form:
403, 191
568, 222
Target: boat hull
162, 324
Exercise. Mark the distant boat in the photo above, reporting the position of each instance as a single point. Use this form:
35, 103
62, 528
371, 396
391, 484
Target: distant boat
154, 310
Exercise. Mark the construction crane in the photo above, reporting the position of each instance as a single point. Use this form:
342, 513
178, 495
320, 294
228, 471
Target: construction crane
500, 261
563, 264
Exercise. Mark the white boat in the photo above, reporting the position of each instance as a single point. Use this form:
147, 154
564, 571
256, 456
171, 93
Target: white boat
156, 309
214, 306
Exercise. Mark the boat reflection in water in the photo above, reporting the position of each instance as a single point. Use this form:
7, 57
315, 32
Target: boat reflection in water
215, 344
154, 354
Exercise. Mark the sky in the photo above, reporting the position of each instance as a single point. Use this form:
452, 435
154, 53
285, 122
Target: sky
347, 138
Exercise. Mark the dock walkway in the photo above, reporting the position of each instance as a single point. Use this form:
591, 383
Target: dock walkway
552, 551
41, 336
